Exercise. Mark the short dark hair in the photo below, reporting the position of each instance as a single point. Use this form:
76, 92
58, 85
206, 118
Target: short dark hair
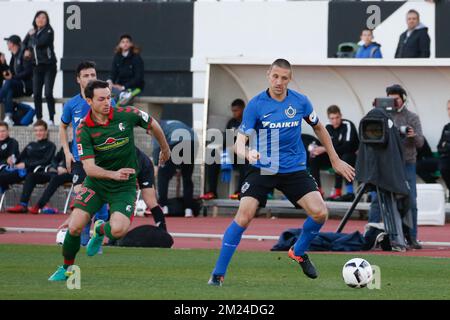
85, 65
415, 12
40, 123
126, 36
92, 85
238, 103
281, 63
4, 124
367, 29
37, 14
333, 109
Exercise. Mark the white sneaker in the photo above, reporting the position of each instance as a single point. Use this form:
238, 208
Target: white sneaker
9, 121
188, 213
165, 210
51, 123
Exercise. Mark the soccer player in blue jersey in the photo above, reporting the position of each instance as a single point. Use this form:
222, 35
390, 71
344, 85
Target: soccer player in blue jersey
273, 119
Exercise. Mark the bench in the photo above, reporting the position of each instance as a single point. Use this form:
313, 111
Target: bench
281, 206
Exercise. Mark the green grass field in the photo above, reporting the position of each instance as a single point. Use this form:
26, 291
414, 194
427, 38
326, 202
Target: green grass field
124, 273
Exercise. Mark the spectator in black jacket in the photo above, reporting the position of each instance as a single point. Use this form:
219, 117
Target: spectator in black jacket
346, 142
127, 71
426, 164
56, 175
36, 156
213, 170
9, 148
18, 77
39, 45
444, 151
414, 42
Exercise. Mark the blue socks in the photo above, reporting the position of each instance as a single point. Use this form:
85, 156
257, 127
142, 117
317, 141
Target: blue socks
231, 239
349, 188
309, 232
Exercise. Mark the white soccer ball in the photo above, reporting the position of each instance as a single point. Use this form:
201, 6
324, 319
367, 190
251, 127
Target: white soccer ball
140, 208
60, 236
357, 273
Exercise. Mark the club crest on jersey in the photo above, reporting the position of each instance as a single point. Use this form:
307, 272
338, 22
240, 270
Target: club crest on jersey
121, 127
245, 187
111, 143
290, 112
144, 115
4, 146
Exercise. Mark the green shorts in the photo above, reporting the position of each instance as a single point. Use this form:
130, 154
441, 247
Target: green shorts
91, 199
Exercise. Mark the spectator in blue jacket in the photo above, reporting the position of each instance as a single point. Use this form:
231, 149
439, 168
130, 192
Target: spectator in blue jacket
368, 49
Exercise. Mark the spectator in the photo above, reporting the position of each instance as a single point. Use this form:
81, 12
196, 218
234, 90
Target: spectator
185, 162
39, 44
427, 164
414, 42
307, 140
3, 67
368, 48
18, 78
212, 170
127, 71
411, 141
444, 151
9, 148
35, 157
346, 142
56, 175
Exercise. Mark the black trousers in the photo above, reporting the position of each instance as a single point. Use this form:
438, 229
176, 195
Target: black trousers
426, 167
8, 178
44, 75
444, 167
54, 180
167, 171
323, 160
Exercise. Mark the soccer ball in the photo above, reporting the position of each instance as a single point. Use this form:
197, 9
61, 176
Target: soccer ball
140, 208
60, 236
357, 273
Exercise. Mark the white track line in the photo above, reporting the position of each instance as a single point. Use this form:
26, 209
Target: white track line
200, 235
174, 234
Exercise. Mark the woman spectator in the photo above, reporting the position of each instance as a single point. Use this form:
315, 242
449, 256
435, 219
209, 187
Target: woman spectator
127, 71
39, 44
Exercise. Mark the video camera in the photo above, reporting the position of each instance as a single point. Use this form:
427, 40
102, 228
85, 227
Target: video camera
374, 130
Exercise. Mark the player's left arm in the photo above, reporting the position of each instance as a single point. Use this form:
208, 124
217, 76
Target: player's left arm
142, 119
341, 167
158, 133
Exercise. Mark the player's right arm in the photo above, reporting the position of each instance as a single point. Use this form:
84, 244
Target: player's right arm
65, 145
246, 129
87, 157
66, 118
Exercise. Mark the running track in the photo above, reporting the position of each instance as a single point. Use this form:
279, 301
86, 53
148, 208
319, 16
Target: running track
217, 225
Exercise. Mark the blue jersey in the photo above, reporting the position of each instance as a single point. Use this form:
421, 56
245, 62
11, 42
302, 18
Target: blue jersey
74, 111
275, 128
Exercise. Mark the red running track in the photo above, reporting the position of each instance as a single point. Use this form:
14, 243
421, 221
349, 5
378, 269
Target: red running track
259, 226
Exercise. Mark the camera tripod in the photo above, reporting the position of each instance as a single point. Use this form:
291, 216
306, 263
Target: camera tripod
389, 212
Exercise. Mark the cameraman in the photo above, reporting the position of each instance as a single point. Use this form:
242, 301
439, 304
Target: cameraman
412, 138
444, 151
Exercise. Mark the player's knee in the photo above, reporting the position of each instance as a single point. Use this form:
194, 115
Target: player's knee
118, 231
75, 230
319, 214
244, 217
